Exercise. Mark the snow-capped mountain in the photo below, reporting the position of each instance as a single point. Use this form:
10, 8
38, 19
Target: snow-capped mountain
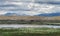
10, 14
14, 14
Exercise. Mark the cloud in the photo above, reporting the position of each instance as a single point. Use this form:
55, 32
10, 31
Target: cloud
54, 2
2, 12
29, 7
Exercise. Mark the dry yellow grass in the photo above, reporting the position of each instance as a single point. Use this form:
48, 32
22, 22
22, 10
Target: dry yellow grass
28, 18
20, 18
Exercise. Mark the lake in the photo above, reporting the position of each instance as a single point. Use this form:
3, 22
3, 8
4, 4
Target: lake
27, 26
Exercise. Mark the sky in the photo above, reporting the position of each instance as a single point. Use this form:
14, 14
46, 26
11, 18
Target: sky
29, 7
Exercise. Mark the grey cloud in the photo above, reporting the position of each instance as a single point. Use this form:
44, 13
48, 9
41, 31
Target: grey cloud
13, 7
7, 8
55, 2
16, 0
10, 5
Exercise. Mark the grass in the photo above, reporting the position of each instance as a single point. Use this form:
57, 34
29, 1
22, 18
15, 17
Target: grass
29, 22
30, 32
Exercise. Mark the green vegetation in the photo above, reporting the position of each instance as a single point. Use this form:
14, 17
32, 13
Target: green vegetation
40, 22
19, 22
30, 32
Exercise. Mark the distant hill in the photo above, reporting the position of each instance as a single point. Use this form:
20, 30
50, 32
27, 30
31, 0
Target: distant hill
49, 14
14, 14
10, 14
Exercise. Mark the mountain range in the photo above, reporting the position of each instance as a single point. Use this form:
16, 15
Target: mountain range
10, 14
14, 14
49, 14
45, 14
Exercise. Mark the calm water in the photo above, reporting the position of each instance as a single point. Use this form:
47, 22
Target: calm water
34, 26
